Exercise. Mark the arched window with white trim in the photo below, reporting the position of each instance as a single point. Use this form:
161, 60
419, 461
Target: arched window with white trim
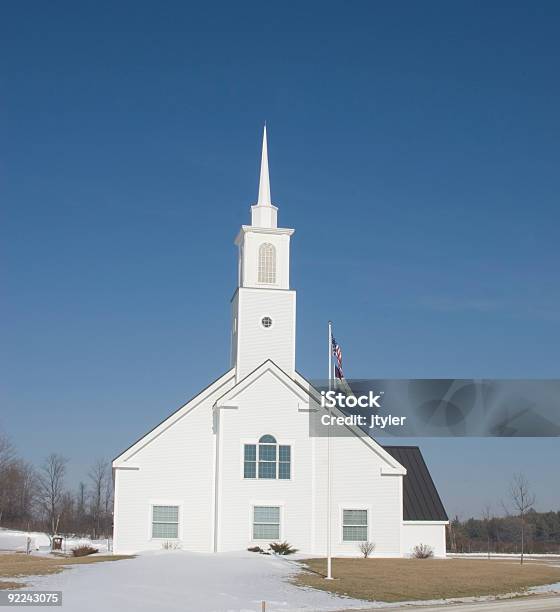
267, 263
267, 459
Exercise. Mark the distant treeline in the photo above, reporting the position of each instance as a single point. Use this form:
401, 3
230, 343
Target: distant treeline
502, 534
37, 498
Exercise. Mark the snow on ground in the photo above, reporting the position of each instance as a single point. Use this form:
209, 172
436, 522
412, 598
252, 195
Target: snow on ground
11, 539
174, 581
189, 582
69, 543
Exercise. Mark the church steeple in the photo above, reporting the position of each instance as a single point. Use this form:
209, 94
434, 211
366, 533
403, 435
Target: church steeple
264, 306
264, 182
264, 213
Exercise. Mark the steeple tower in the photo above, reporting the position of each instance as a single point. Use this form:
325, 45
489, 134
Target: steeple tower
264, 306
264, 213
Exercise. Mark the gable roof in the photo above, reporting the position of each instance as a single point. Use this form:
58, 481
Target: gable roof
421, 501
225, 389
212, 388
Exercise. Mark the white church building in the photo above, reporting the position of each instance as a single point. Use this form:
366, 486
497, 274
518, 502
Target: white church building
236, 466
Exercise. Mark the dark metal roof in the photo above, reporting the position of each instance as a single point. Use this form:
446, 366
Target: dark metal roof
421, 501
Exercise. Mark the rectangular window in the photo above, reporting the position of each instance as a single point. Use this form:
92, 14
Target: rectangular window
165, 521
250, 461
267, 460
354, 525
284, 459
266, 523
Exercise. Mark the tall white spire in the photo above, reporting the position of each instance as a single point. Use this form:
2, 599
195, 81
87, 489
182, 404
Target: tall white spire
263, 213
263, 287
264, 182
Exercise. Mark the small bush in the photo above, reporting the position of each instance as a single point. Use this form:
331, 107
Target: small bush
422, 551
366, 548
83, 551
256, 549
167, 545
282, 548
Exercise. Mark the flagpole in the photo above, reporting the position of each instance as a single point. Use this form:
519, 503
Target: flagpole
329, 560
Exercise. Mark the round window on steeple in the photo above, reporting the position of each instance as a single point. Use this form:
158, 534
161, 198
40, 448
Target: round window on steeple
266, 322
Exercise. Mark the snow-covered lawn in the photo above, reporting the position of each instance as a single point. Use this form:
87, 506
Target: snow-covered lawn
13, 540
17, 540
189, 582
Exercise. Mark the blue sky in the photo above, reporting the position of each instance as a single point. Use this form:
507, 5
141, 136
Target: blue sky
413, 146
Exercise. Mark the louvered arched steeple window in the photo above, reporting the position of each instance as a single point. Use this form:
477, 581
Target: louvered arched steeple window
267, 263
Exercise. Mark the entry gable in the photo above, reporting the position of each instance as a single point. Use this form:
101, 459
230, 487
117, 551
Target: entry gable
267, 367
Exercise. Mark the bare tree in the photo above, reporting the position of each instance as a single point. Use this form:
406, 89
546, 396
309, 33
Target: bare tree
24, 491
98, 476
7, 457
67, 512
16, 483
487, 517
7, 452
81, 497
51, 489
523, 500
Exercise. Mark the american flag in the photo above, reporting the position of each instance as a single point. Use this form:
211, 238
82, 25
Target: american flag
338, 355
